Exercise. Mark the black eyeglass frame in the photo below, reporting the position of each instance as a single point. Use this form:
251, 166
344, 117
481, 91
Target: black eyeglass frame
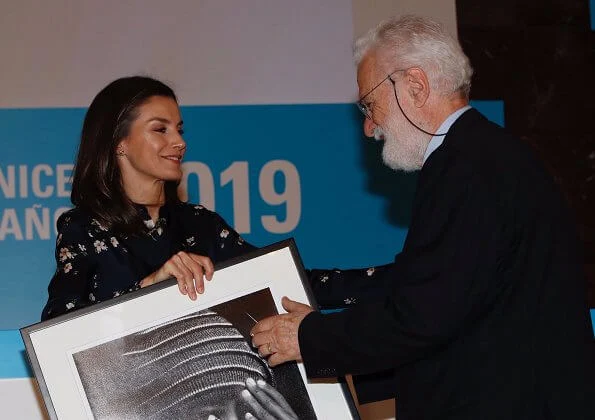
360, 102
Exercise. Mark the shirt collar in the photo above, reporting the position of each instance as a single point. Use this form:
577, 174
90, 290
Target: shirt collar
436, 141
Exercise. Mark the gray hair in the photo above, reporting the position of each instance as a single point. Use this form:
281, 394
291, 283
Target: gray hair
414, 41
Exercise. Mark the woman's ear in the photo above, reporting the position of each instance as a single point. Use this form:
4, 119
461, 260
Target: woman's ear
120, 149
418, 86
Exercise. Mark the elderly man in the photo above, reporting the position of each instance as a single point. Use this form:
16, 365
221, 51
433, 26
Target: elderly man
484, 314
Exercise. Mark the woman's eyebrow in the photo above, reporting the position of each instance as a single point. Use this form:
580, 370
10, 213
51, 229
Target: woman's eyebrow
164, 120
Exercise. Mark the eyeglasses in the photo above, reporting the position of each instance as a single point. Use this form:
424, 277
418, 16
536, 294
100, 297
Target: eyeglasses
362, 106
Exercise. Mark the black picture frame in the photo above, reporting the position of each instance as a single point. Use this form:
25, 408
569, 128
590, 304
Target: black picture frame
63, 351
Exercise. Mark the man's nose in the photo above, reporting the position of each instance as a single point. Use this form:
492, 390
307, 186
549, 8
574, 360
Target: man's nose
369, 127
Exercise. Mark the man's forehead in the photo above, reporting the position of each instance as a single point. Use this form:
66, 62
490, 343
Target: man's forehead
367, 71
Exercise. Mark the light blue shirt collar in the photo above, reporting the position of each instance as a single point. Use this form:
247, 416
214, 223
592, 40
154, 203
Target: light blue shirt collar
444, 127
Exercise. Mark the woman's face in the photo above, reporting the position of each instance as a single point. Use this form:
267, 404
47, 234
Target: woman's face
154, 147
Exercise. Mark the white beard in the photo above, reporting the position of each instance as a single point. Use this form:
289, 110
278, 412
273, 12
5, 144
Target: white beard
404, 145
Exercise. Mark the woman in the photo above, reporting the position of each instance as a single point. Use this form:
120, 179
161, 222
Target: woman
129, 229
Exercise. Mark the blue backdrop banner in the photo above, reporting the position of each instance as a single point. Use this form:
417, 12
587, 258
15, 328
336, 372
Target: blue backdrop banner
271, 171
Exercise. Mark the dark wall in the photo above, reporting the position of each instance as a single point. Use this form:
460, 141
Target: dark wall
537, 56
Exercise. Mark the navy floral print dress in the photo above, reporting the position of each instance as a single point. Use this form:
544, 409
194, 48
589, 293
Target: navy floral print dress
93, 264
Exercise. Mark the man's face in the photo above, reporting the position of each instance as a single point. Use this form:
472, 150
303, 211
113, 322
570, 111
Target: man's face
404, 145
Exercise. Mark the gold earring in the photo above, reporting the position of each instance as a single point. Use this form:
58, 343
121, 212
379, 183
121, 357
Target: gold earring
120, 152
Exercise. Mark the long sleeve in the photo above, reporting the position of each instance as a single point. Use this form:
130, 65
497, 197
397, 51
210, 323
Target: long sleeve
205, 232
69, 288
227, 243
340, 289
447, 274
486, 317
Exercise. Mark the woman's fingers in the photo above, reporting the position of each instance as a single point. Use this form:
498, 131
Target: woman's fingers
183, 275
205, 263
196, 269
189, 270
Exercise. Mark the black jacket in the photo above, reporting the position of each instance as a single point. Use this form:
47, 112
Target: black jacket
485, 315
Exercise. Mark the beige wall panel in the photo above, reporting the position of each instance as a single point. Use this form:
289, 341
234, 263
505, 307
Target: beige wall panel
368, 13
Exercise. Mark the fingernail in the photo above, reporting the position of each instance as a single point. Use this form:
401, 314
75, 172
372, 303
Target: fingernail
250, 381
212, 417
249, 416
261, 383
245, 394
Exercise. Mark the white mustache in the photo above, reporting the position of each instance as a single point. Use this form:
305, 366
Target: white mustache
378, 133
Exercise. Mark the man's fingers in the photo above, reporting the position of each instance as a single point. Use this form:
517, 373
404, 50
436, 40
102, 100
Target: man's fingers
264, 325
277, 358
266, 350
260, 339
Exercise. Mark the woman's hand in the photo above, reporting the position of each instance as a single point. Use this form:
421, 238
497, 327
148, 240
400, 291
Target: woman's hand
188, 269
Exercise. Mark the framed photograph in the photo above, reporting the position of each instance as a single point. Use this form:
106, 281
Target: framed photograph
155, 354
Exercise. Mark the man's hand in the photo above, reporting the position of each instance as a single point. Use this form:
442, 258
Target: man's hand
277, 336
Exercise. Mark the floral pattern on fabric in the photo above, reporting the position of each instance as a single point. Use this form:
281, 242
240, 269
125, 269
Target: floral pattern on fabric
339, 289
94, 264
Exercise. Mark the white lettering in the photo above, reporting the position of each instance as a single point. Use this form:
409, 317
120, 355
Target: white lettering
291, 195
42, 225
10, 225
8, 183
23, 185
36, 181
237, 174
62, 179
206, 184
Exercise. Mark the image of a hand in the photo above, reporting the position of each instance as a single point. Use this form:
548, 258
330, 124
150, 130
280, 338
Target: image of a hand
277, 336
189, 270
266, 402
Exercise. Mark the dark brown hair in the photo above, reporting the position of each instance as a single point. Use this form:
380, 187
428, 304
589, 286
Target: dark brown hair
97, 182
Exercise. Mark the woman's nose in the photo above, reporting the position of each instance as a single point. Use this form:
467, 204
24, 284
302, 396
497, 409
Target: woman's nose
179, 142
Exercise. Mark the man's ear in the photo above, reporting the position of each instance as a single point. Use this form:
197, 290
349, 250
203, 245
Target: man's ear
418, 86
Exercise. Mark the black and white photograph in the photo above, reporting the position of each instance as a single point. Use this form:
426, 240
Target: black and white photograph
200, 365
155, 354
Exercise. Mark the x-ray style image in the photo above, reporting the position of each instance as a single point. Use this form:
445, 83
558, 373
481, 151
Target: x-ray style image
196, 366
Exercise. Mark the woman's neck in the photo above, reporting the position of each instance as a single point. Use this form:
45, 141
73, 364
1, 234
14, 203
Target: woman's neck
152, 196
